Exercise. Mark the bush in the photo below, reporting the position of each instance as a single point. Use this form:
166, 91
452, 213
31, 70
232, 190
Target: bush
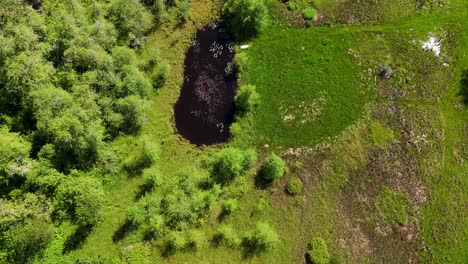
176, 241
24, 240
292, 6
151, 178
309, 13
232, 162
196, 240
318, 252
262, 238
230, 206
242, 62
247, 99
294, 186
273, 168
226, 236
136, 215
246, 18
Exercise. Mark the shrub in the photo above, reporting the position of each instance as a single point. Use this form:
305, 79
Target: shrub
246, 18
294, 186
318, 252
151, 178
247, 99
232, 162
160, 74
230, 205
226, 236
196, 240
242, 61
262, 238
136, 215
273, 168
309, 13
292, 6
176, 241
24, 240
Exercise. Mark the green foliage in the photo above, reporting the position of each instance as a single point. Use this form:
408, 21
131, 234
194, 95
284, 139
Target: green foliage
175, 241
242, 62
123, 56
136, 254
25, 240
262, 238
136, 215
309, 13
130, 18
318, 252
14, 153
82, 197
292, 6
273, 168
152, 178
196, 240
247, 98
393, 206
232, 162
381, 135
230, 206
294, 186
246, 18
226, 236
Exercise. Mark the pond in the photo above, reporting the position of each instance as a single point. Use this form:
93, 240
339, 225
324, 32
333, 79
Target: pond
205, 108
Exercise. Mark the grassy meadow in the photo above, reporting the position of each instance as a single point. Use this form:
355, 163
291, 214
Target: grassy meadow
383, 160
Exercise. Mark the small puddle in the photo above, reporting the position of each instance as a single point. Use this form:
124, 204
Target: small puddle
205, 108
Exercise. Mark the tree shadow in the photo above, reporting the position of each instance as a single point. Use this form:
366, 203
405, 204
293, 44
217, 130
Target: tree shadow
123, 230
143, 190
464, 87
261, 182
222, 215
307, 259
75, 241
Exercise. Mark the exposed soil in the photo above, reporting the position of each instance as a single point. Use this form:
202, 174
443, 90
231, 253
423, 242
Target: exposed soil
205, 108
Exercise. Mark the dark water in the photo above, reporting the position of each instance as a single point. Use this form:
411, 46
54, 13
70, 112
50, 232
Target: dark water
205, 108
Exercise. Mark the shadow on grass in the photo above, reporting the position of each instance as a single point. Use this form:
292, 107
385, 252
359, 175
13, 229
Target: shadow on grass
143, 190
75, 241
248, 250
123, 230
260, 182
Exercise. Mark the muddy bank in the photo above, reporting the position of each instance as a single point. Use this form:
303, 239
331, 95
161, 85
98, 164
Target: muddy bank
205, 108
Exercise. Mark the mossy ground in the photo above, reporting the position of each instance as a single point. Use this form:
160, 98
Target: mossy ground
425, 158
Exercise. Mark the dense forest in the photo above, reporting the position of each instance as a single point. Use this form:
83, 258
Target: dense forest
344, 140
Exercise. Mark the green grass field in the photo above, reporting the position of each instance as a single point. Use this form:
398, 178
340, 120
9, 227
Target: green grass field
310, 85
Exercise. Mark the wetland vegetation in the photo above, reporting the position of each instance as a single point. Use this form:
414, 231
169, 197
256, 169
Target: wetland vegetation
237, 131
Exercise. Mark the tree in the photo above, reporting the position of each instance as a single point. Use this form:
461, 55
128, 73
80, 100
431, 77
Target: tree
82, 197
71, 123
25, 240
318, 252
262, 238
130, 18
247, 99
232, 162
14, 153
273, 168
246, 18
